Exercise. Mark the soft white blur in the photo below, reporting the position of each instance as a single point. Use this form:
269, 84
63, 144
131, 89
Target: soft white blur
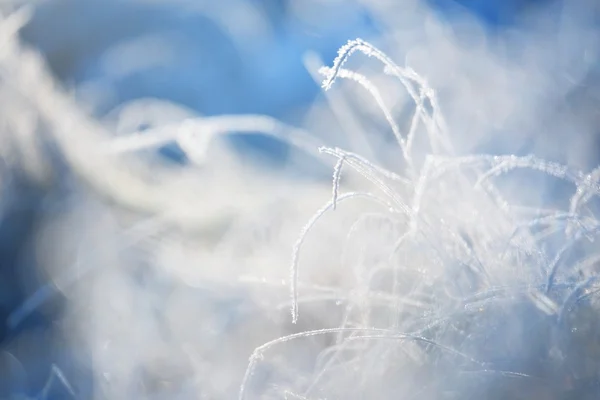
171, 274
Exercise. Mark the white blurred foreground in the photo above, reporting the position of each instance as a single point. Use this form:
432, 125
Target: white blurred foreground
435, 277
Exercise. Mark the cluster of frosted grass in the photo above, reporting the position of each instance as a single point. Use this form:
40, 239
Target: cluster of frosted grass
456, 293
423, 282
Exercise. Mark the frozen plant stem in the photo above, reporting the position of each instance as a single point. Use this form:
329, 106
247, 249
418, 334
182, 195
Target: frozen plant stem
306, 229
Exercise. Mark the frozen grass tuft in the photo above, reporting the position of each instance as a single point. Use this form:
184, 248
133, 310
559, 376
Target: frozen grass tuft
460, 264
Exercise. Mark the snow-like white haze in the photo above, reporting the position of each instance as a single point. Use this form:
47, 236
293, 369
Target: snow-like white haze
203, 200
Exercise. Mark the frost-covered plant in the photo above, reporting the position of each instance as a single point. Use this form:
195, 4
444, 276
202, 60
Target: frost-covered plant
457, 293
